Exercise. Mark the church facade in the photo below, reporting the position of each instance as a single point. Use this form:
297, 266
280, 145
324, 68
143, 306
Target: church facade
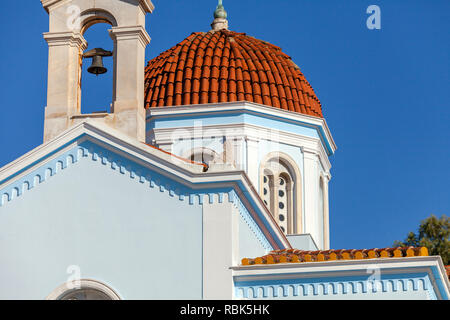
207, 180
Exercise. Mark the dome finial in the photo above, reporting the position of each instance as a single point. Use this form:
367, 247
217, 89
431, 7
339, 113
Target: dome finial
220, 18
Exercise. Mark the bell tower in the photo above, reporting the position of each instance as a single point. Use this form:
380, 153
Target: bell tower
68, 21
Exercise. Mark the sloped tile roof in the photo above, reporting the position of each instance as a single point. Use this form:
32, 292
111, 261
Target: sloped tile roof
226, 66
299, 256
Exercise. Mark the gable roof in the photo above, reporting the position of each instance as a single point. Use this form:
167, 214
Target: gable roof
233, 185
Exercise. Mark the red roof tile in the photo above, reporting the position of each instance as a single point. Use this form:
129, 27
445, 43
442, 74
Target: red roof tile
298, 256
226, 66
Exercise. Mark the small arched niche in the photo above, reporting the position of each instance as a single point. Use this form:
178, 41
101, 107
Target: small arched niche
204, 155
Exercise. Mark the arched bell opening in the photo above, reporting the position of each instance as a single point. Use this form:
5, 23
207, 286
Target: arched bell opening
97, 64
92, 17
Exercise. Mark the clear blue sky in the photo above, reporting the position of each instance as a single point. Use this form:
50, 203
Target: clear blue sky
385, 95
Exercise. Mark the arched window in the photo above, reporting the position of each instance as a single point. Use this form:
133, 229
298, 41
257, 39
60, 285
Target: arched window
85, 290
85, 294
280, 192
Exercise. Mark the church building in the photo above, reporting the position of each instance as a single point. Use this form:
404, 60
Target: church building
208, 178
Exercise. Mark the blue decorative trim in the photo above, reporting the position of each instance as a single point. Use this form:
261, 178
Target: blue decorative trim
39, 160
441, 286
124, 166
105, 157
40, 175
334, 286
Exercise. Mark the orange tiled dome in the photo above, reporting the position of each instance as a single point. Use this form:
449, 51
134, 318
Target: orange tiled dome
226, 66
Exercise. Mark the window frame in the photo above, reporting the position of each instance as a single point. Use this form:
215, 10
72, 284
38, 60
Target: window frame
294, 190
64, 289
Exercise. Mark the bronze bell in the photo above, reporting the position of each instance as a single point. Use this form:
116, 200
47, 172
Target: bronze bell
97, 55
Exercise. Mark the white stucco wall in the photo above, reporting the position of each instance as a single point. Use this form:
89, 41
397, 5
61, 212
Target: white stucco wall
249, 245
138, 240
244, 134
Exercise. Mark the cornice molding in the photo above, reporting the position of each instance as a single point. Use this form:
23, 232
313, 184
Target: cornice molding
244, 106
73, 39
130, 32
337, 288
340, 265
52, 4
281, 274
146, 5
250, 132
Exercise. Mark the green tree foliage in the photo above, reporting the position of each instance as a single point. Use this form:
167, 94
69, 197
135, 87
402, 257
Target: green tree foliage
434, 234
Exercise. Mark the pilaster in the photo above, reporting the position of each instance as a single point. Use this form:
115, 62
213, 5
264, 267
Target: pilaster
220, 245
311, 191
253, 161
326, 214
64, 77
235, 154
129, 61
